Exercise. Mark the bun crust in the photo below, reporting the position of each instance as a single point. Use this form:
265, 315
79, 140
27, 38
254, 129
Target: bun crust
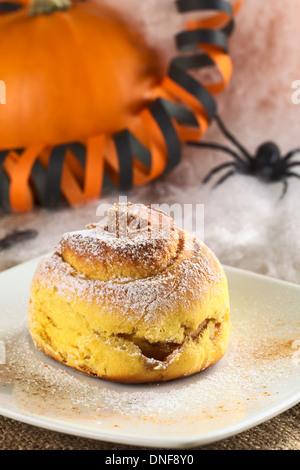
133, 300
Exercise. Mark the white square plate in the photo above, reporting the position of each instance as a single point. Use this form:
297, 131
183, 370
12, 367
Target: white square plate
258, 378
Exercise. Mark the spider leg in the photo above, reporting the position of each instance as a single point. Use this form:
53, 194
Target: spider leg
285, 188
291, 154
292, 174
232, 138
290, 165
221, 148
217, 169
289, 174
225, 177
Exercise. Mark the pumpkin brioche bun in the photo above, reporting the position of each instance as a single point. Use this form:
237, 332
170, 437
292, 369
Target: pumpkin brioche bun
134, 299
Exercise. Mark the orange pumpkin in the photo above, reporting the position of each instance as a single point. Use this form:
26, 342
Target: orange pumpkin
71, 74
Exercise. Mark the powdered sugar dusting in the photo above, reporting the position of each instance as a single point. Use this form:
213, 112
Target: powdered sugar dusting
225, 393
149, 298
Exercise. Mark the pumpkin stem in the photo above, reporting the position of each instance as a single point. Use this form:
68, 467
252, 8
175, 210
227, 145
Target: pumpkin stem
38, 7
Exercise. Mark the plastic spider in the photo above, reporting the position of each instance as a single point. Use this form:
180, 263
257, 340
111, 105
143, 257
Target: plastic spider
268, 165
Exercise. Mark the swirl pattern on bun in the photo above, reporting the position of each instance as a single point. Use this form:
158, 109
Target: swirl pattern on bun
134, 299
